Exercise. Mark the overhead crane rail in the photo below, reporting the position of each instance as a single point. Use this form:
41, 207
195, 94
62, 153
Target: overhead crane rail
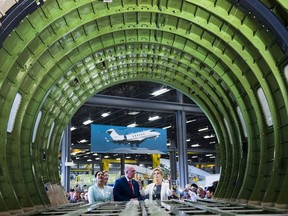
153, 208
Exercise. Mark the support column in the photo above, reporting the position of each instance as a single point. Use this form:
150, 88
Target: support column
173, 164
181, 144
66, 157
105, 164
122, 164
156, 160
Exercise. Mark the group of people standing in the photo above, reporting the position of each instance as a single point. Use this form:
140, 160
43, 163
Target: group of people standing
193, 192
127, 188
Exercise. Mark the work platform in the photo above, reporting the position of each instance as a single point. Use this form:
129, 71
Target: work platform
154, 208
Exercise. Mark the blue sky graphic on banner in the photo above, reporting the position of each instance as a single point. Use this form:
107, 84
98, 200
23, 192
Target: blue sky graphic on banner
119, 139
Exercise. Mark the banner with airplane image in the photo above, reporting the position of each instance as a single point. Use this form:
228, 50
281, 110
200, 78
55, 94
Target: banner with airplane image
119, 139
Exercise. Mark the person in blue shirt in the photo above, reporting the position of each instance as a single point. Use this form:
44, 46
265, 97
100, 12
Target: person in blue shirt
99, 192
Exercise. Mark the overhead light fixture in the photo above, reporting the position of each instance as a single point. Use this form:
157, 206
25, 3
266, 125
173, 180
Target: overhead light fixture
195, 156
89, 121
105, 114
188, 140
203, 129
83, 141
212, 157
132, 125
209, 155
189, 121
153, 118
167, 127
209, 136
159, 92
168, 144
212, 142
195, 145
73, 128
133, 113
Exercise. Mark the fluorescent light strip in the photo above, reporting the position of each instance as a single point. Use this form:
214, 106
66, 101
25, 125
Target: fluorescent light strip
73, 128
105, 114
167, 127
189, 121
133, 113
89, 121
209, 136
161, 91
203, 129
132, 125
13, 112
195, 145
153, 118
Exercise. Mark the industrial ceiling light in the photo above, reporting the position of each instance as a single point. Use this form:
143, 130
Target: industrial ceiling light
73, 128
133, 113
209, 136
83, 141
154, 118
195, 145
169, 126
203, 129
132, 125
89, 121
105, 114
159, 92
189, 121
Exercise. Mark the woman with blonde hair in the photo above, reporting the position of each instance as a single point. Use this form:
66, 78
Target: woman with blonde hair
158, 190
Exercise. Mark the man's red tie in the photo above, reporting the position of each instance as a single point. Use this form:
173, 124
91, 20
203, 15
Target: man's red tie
131, 186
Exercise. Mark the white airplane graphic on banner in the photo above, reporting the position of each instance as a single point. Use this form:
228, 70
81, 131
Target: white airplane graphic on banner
132, 138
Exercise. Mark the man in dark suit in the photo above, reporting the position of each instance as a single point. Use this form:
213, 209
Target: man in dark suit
122, 191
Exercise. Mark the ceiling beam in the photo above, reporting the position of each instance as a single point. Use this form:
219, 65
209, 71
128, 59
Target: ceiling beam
141, 104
